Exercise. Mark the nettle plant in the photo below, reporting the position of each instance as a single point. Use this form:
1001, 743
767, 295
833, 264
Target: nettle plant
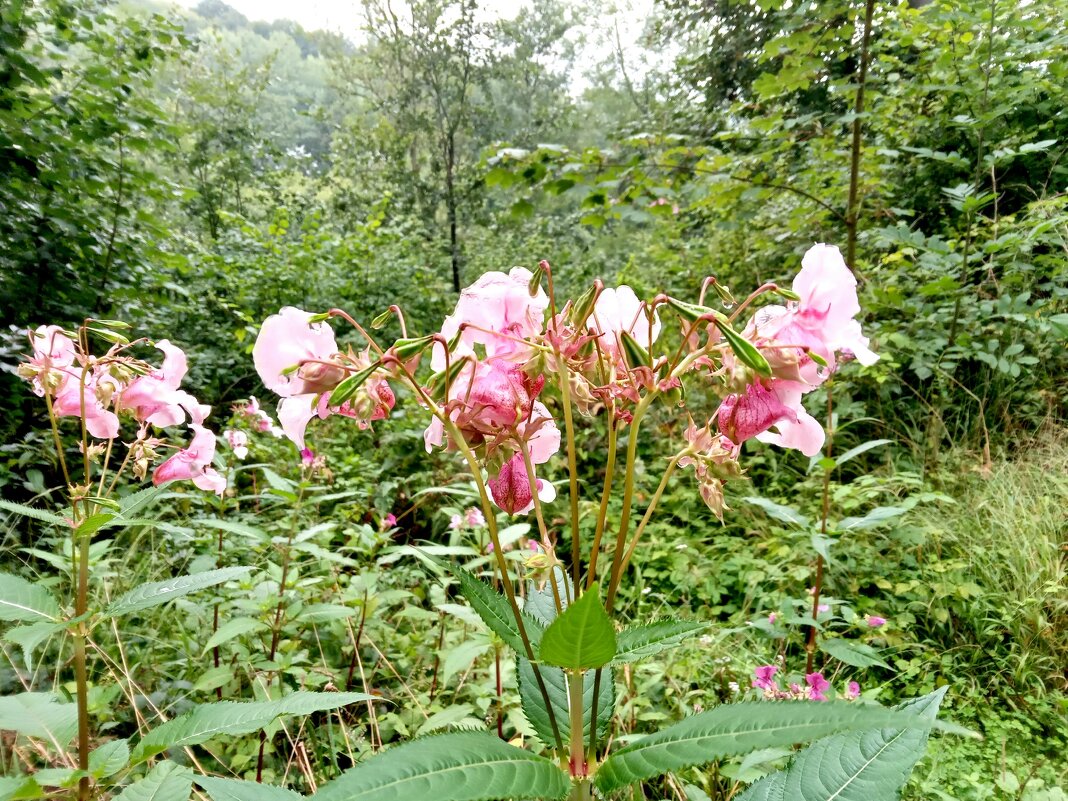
511, 374
512, 371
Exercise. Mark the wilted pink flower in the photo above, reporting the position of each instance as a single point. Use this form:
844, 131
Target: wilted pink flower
238, 442
619, 311
817, 686
874, 621
765, 677
762, 408
852, 690
487, 400
497, 311
193, 463
474, 517
511, 488
50, 366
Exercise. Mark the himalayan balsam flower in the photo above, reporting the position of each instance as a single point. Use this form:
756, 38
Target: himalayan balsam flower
765, 677
474, 517
618, 311
852, 690
389, 521
817, 686
156, 398
456, 522
238, 442
874, 621
193, 463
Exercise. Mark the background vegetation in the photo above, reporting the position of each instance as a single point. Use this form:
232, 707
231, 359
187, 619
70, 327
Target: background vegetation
191, 173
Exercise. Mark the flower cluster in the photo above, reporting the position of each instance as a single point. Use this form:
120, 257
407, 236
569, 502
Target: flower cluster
815, 688
507, 355
100, 389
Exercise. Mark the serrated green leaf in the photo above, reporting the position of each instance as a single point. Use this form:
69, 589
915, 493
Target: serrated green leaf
39, 715
233, 527
165, 782
109, 758
876, 517
231, 629
237, 790
556, 685
496, 612
864, 447
25, 601
160, 592
638, 642
30, 636
234, 718
857, 654
854, 766
36, 514
461, 766
581, 638
738, 729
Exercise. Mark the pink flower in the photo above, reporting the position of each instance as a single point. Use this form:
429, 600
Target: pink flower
156, 398
511, 488
823, 319
238, 442
496, 311
765, 677
307, 457
772, 618
762, 408
874, 621
486, 401
286, 340
193, 463
617, 311
474, 518
100, 422
50, 366
817, 686
823, 608
852, 690
456, 522
390, 520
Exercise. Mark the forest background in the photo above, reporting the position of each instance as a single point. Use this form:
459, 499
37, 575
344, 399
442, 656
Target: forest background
191, 172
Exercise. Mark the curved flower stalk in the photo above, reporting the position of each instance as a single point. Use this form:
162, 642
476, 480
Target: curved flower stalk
509, 367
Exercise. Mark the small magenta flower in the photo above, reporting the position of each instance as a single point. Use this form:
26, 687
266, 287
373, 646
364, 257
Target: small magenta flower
456, 522
773, 617
474, 517
390, 520
823, 608
853, 690
817, 686
874, 621
307, 457
765, 677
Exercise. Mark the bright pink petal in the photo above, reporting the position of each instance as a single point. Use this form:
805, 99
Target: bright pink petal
285, 340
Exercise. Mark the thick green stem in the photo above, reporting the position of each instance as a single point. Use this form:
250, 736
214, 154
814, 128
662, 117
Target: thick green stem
81, 678
578, 735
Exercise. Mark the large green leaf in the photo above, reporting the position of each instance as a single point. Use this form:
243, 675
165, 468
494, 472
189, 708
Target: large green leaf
556, 685
462, 766
30, 636
160, 592
638, 642
581, 638
234, 718
165, 782
109, 758
853, 653
39, 715
237, 790
737, 729
855, 766
25, 601
496, 612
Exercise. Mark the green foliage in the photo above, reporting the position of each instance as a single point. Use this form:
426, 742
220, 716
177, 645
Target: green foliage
156, 593
857, 766
40, 715
167, 781
738, 728
582, 637
468, 766
25, 601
